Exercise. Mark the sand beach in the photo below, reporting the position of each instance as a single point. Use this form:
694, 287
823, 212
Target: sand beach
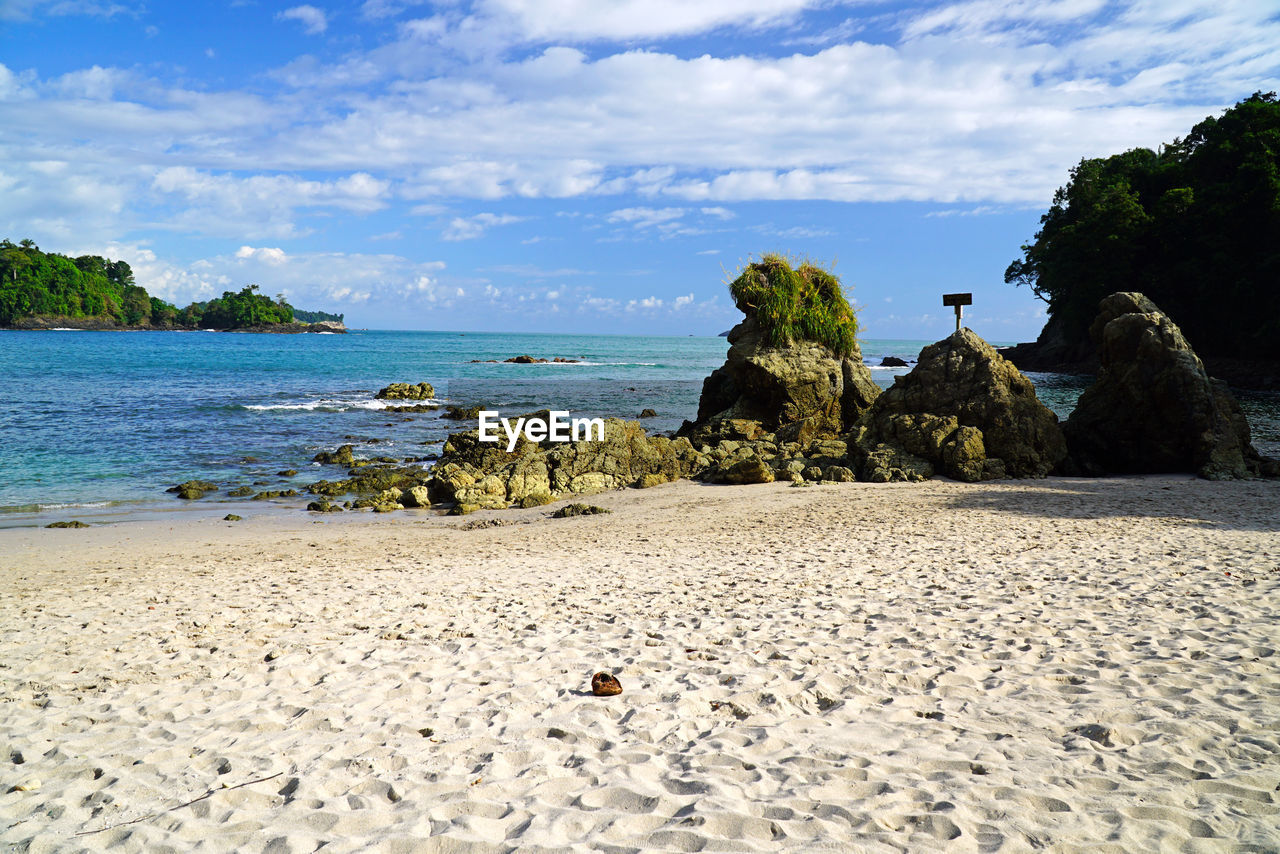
1061, 665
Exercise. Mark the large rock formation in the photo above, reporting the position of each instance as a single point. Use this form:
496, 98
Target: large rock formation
800, 390
962, 410
1153, 407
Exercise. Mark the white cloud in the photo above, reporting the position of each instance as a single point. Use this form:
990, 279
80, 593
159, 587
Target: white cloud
269, 256
329, 281
262, 205
378, 9
313, 20
94, 83
681, 302
469, 228
642, 217
625, 20
979, 103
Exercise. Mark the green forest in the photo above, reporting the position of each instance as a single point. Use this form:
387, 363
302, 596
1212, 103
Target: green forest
1195, 226
316, 316
36, 284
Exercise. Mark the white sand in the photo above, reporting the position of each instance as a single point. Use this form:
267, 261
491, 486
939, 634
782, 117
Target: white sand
1056, 665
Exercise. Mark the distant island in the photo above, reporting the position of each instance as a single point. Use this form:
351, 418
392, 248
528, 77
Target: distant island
1194, 225
45, 290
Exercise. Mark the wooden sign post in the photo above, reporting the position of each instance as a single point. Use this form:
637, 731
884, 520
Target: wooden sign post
959, 301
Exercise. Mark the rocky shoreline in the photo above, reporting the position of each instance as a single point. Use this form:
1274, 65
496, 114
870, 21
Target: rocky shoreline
802, 414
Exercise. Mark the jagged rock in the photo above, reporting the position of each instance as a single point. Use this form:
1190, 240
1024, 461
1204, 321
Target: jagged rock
525, 360
605, 685
1153, 408
804, 387
287, 473
624, 456
269, 494
892, 362
888, 464
827, 452
416, 496
340, 457
241, 492
648, 481
648, 413
331, 488
487, 493
752, 470
461, 413
193, 489
962, 409
571, 510
714, 432
838, 474
232, 517
74, 523
469, 471
528, 481
466, 449
323, 506
536, 499
407, 391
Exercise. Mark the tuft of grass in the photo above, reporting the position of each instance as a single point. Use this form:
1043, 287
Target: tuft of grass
804, 303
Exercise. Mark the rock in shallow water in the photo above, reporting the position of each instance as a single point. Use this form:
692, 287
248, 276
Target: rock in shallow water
406, 391
193, 489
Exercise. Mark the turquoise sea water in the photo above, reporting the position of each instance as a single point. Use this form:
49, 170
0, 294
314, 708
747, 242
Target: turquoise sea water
104, 422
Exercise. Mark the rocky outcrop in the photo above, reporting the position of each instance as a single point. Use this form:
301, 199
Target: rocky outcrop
475, 475
1153, 407
964, 411
406, 391
802, 390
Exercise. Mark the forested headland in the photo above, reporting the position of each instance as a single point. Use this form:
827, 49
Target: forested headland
39, 289
1194, 225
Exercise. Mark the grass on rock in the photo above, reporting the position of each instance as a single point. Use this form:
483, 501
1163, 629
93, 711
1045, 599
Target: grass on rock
805, 303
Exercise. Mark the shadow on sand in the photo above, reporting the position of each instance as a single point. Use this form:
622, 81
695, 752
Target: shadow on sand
1252, 505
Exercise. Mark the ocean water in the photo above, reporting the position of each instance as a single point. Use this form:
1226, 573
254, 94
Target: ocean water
101, 423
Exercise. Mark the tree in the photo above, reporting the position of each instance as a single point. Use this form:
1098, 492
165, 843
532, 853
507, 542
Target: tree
1195, 226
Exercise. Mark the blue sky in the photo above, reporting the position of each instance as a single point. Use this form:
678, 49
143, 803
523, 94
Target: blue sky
590, 165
